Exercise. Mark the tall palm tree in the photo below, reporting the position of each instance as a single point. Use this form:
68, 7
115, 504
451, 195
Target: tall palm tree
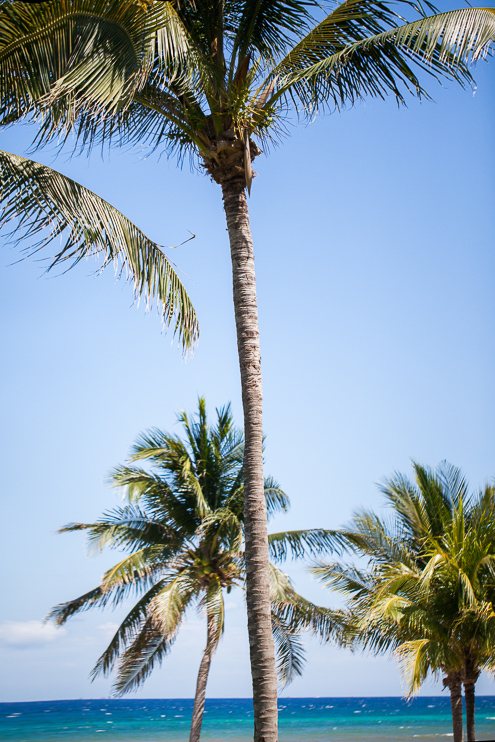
428, 590
183, 526
214, 80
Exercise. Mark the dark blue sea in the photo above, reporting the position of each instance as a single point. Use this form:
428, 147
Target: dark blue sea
301, 720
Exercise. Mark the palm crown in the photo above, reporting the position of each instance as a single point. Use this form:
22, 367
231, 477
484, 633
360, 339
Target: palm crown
204, 77
184, 528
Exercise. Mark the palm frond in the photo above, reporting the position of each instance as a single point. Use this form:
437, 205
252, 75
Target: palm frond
63, 611
267, 28
277, 501
42, 202
300, 613
414, 663
377, 65
129, 527
82, 55
140, 567
127, 632
171, 602
298, 544
147, 650
289, 650
156, 635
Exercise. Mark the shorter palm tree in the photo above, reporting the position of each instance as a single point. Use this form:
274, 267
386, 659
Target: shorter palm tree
428, 590
183, 525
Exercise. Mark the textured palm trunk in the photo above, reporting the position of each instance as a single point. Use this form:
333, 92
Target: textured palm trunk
453, 681
199, 697
471, 675
256, 549
470, 711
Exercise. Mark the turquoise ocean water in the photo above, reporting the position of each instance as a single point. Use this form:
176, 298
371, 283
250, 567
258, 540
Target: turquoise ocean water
301, 720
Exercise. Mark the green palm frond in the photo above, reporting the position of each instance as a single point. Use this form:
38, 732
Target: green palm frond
129, 628
44, 203
344, 578
298, 544
414, 663
222, 527
268, 27
84, 54
139, 567
63, 611
375, 65
300, 613
170, 603
277, 501
130, 527
156, 634
289, 650
454, 484
147, 650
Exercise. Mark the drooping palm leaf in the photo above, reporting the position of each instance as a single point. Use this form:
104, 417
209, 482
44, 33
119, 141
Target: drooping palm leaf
288, 648
45, 204
154, 637
126, 632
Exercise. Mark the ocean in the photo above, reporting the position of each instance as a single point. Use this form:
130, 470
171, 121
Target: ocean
301, 720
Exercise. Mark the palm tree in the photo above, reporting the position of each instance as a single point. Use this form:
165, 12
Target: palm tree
183, 526
208, 79
428, 591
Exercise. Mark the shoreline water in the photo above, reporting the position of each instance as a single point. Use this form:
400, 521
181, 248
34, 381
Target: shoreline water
372, 719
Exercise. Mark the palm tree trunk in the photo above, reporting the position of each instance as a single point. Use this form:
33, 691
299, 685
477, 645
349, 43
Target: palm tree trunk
256, 550
199, 697
471, 675
453, 681
470, 711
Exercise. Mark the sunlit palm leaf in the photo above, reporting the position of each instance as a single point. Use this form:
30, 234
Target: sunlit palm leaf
156, 635
375, 65
83, 53
126, 632
140, 567
130, 528
298, 544
42, 202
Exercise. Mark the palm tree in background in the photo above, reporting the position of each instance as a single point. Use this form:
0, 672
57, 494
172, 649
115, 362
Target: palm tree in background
213, 80
183, 527
428, 590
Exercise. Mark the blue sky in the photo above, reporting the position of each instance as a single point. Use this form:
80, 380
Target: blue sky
373, 233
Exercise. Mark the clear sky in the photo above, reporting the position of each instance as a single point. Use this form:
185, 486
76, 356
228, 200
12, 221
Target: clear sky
373, 233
